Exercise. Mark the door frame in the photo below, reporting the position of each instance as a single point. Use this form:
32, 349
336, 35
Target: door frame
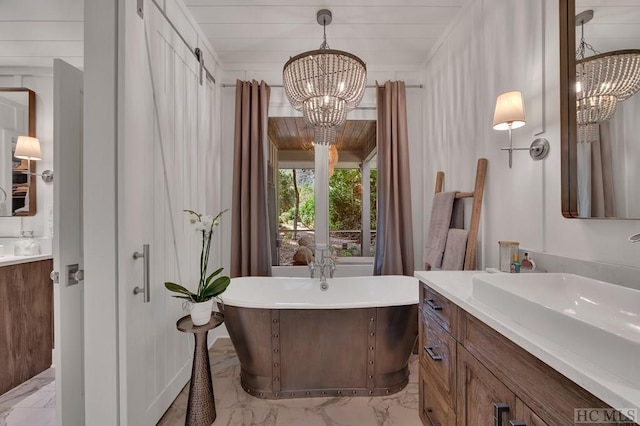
103, 98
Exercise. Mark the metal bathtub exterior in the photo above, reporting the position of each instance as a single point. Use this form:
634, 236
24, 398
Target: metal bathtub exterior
298, 353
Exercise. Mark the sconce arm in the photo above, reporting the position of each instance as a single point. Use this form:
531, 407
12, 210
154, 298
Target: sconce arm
47, 175
538, 150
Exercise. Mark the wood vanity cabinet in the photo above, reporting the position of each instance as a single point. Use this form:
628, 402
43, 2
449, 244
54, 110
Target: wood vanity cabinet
468, 372
26, 321
484, 397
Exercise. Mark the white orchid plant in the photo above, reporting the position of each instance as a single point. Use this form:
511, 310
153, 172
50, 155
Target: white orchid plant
209, 286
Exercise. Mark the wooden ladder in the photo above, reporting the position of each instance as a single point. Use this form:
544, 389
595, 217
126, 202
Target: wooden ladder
478, 192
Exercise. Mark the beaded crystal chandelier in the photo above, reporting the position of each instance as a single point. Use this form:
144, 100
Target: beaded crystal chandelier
602, 80
324, 84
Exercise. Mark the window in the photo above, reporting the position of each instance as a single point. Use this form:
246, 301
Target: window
296, 215
351, 158
346, 231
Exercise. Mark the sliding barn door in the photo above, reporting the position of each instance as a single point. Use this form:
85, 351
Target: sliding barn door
163, 159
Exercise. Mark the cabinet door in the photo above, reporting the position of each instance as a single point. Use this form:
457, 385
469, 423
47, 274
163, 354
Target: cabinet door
525, 414
434, 407
477, 392
26, 322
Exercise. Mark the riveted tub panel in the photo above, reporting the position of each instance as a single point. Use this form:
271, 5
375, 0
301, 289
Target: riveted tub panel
317, 345
250, 333
396, 333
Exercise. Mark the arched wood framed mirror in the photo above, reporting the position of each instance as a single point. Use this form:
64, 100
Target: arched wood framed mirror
17, 118
600, 156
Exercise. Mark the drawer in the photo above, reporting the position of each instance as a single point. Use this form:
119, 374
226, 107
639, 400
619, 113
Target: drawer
434, 409
438, 357
439, 308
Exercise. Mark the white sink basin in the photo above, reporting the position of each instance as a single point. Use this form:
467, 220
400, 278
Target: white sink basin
595, 320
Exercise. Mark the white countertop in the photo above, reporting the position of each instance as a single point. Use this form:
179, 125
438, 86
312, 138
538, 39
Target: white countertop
457, 287
14, 260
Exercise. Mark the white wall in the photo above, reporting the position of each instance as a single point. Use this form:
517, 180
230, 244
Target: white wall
41, 82
494, 47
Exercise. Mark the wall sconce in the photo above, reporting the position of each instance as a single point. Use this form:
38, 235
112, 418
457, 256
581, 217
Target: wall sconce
28, 148
509, 115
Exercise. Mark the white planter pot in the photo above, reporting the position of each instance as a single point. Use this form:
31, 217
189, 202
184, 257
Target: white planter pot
201, 312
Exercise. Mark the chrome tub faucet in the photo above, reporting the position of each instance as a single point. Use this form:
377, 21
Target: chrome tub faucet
325, 263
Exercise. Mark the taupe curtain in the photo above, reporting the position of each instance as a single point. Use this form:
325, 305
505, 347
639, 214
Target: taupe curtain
596, 194
394, 239
602, 193
250, 240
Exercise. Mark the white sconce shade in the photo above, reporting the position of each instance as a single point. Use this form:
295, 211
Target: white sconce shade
509, 115
509, 111
28, 148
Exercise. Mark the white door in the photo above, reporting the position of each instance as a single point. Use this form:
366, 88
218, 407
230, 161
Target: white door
67, 244
161, 173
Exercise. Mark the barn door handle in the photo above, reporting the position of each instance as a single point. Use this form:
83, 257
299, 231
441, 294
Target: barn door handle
145, 274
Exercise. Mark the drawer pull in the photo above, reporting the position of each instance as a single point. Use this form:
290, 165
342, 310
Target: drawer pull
432, 304
499, 408
432, 354
517, 423
426, 414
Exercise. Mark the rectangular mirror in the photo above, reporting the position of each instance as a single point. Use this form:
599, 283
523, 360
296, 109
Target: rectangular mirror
600, 131
17, 118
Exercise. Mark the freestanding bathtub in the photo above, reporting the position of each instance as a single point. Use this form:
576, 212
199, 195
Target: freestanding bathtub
294, 340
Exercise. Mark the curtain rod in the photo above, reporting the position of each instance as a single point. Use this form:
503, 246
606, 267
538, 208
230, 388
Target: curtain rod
369, 86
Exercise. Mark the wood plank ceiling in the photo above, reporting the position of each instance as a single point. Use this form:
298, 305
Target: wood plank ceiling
293, 134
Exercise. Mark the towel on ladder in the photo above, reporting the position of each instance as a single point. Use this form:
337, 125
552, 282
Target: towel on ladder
457, 214
438, 228
455, 250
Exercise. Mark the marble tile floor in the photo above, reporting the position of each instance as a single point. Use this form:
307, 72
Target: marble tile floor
235, 407
33, 403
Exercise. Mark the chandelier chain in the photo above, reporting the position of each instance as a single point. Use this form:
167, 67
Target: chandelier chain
324, 44
584, 46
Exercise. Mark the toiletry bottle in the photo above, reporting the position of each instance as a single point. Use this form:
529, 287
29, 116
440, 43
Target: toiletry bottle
31, 246
507, 248
515, 264
527, 262
18, 247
